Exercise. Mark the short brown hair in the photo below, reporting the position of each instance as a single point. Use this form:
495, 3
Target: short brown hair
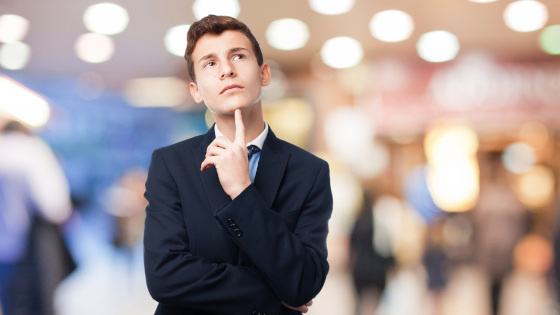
216, 25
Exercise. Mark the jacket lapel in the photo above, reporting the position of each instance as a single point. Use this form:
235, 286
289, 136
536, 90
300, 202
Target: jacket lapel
217, 197
270, 171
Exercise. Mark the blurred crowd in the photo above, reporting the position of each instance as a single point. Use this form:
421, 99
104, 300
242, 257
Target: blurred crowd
40, 272
396, 251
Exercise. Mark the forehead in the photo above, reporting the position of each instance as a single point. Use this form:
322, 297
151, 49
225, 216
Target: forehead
216, 44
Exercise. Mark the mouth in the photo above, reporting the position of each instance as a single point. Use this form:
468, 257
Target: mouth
231, 87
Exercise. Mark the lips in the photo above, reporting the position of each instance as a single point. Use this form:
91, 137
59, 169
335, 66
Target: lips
229, 87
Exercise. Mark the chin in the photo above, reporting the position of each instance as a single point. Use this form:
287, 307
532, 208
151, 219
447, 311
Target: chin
230, 105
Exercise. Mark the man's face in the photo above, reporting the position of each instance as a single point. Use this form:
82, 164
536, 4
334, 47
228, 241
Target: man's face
227, 73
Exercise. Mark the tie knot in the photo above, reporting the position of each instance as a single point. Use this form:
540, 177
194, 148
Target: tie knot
252, 149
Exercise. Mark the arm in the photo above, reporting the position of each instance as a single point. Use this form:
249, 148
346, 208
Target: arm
176, 277
293, 263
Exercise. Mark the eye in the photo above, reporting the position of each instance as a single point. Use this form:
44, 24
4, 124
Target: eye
209, 64
238, 56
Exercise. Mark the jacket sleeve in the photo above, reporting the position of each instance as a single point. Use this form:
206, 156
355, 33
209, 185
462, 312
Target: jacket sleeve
177, 278
294, 264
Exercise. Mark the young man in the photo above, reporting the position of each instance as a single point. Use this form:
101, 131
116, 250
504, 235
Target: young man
226, 233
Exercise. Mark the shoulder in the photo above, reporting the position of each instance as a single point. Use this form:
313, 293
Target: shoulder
181, 146
299, 156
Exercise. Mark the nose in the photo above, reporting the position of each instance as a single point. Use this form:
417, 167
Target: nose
228, 71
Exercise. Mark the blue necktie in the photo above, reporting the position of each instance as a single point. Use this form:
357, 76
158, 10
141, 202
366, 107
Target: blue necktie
254, 155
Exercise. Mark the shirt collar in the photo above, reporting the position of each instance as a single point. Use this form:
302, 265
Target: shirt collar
258, 141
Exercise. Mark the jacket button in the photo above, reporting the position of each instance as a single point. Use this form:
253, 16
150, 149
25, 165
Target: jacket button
239, 234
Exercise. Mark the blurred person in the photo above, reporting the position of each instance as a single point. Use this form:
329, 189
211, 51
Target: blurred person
437, 265
499, 221
34, 200
113, 281
527, 290
399, 232
406, 292
368, 267
223, 236
466, 292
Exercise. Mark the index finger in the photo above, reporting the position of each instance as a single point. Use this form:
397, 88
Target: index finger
239, 128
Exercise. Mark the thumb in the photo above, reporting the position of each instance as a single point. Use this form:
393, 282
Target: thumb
239, 129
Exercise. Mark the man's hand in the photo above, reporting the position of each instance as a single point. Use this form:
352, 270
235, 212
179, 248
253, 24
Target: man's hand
230, 160
303, 308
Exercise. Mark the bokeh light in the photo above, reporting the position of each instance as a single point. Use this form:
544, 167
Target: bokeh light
534, 254
94, 48
342, 52
351, 137
391, 26
454, 185
535, 188
176, 39
453, 172
550, 40
372, 162
348, 132
354, 80
22, 103
525, 15
14, 55
13, 28
519, 157
448, 141
438, 46
156, 92
106, 18
202, 8
331, 7
292, 119
287, 34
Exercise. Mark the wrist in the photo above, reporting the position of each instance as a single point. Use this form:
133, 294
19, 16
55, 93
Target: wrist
239, 189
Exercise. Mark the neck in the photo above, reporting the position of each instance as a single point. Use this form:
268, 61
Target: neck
252, 120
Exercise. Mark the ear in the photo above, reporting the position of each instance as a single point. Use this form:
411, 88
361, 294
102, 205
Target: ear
265, 74
195, 92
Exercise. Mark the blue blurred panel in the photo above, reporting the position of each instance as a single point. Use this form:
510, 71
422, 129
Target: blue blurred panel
98, 140
418, 195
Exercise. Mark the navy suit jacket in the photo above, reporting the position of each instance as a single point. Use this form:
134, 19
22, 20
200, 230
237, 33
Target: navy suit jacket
208, 254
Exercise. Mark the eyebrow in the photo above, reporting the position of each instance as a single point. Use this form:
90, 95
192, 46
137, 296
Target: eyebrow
212, 55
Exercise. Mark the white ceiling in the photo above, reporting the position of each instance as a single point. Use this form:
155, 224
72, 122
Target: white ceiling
56, 24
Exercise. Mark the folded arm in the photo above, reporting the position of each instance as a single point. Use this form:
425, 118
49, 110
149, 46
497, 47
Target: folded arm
294, 263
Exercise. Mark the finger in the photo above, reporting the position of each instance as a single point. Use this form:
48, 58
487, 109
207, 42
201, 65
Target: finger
214, 151
207, 163
221, 142
291, 307
303, 309
239, 128
309, 303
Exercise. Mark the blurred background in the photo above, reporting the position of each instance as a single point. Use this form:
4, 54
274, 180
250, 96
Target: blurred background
440, 121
